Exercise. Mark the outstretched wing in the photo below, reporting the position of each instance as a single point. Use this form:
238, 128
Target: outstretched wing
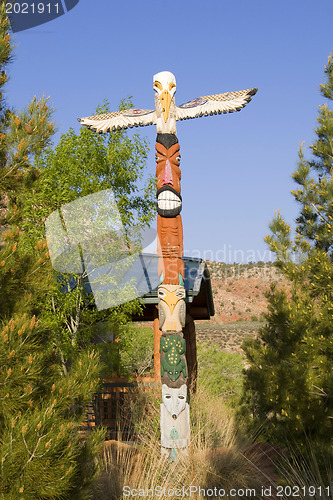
215, 104
119, 120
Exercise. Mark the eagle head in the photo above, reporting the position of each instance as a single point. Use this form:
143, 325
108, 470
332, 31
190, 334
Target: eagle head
165, 87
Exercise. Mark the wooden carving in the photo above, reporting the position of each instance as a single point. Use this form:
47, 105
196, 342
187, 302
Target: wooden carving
166, 113
175, 421
175, 433
168, 174
172, 308
170, 250
169, 205
174, 384
173, 361
171, 293
174, 399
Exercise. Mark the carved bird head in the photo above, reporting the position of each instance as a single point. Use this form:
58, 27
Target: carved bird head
165, 87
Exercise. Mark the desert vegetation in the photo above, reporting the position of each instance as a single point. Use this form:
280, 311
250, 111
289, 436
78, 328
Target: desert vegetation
224, 455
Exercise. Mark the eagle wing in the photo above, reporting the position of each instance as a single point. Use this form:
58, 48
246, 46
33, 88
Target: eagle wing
108, 122
215, 104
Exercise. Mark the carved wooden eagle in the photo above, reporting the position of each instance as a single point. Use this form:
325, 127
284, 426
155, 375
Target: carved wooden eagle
166, 113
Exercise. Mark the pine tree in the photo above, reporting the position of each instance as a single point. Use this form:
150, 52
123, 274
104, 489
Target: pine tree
49, 371
43, 453
289, 384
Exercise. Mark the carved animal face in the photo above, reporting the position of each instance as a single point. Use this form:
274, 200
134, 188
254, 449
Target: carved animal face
174, 399
171, 308
165, 87
173, 368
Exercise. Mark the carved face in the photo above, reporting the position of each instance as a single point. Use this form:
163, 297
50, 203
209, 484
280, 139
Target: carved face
174, 399
169, 201
171, 308
173, 367
167, 169
165, 87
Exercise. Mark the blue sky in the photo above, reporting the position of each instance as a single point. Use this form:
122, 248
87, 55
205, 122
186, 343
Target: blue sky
236, 169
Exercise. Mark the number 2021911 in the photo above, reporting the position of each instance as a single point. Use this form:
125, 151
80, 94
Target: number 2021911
32, 8
297, 491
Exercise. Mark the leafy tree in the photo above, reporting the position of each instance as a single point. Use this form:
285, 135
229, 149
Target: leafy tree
87, 162
82, 164
289, 383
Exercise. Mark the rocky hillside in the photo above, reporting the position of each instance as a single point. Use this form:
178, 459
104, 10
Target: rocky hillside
239, 290
240, 303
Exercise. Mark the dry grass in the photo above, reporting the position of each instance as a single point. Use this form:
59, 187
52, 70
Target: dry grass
217, 457
220, 457
306, 476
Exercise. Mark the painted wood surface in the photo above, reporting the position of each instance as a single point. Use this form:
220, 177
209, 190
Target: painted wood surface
174, 353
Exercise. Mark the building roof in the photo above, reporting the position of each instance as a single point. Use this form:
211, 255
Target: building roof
199, 297
115, 282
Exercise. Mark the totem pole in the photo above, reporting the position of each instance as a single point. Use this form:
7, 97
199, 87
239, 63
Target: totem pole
175, 415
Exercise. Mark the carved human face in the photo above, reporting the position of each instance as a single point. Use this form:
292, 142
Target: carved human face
171, 308
174, 399
168, 174
167, 169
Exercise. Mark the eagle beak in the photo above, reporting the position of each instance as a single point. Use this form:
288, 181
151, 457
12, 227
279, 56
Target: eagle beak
165, 99
171, 300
